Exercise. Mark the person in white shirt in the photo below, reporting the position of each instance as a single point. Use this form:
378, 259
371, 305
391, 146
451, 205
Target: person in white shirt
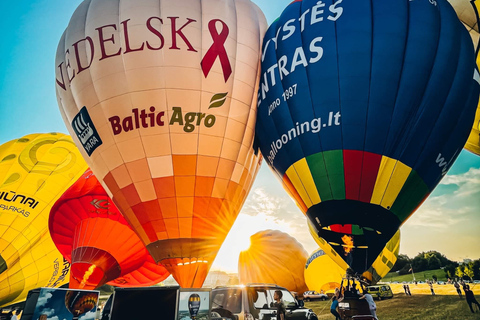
371, 304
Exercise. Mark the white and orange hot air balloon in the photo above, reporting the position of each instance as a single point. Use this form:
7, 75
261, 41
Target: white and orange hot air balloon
160, 97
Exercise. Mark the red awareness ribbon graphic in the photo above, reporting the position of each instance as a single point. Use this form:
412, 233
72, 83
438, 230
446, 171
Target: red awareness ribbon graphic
217, 50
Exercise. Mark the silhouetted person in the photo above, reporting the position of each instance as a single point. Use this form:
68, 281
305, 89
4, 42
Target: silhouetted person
470, 298
335, 300
457, 286
408, 290
277, 296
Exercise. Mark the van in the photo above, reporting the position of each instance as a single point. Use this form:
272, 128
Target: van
380, 291
255, 301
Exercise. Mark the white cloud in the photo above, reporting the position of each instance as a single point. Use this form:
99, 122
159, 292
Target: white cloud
48, 311
90, 315
449, 209
42, 300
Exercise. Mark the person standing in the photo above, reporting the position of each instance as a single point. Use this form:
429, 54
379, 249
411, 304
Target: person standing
405, 289
430, 284
470, 297
277, 296
335, 300
408, 290
457, 286
371, 304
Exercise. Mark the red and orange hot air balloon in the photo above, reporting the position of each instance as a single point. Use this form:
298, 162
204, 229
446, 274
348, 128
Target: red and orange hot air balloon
91, 233
161, 99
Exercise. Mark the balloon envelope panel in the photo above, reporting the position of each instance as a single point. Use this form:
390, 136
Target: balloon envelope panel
92, 234
274, 257
467, 15
34, 172
322, 273
160, 96
363, 108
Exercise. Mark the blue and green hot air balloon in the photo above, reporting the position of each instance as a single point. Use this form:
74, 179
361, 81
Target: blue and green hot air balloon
363, 106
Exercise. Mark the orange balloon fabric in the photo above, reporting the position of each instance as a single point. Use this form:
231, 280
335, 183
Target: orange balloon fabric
274, 257
92, 234
161, 98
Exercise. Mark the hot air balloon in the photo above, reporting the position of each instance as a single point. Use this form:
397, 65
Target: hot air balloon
377, 270
193, 305
34, 172
466, 13
80, 302
363, 107
274, 257
92, 234
322, 273
160, 96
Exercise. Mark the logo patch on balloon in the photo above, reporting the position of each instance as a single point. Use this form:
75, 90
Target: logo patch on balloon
86, 132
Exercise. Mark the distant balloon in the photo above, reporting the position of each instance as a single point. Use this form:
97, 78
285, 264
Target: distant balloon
466, 14
363, 108
161, 98
91, 233
34, 172
379, 268
274, 257
193, 305
322, 273
80, 302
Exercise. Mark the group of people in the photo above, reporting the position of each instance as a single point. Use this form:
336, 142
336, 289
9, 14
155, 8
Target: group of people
469, 296
338, 297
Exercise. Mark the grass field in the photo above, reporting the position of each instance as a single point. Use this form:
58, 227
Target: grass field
419, 276
445, 305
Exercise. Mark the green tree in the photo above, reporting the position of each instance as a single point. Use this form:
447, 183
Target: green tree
468, 270
459, 271
403, 261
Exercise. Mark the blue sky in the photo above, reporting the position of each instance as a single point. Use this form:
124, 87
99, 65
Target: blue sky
449, 221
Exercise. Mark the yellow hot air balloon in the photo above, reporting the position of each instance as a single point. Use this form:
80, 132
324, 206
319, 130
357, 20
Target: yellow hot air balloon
380, 266
34, 172
322, 273
467, 15
160, 97
274, 257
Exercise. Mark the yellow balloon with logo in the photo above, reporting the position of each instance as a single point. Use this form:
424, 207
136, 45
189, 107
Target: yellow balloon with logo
35, 170
378, 269
322, 274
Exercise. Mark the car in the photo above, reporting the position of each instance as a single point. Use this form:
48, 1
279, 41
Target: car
255, 301
314, 295
380, 291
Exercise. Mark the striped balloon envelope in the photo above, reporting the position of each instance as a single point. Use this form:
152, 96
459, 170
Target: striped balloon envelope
363, 107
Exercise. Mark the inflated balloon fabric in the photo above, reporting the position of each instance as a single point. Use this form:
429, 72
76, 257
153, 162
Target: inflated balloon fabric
161, 99
363, 108
92, 234
35, 170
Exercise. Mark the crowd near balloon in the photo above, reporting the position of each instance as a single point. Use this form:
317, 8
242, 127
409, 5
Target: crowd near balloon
359, 108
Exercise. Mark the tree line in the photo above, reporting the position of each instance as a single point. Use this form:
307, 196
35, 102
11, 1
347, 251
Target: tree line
432, 260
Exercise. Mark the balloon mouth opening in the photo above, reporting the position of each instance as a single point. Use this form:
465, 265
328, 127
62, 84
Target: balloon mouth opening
87, 276
356, 231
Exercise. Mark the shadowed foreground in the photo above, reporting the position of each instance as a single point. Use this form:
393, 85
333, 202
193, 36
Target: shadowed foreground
420, 306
